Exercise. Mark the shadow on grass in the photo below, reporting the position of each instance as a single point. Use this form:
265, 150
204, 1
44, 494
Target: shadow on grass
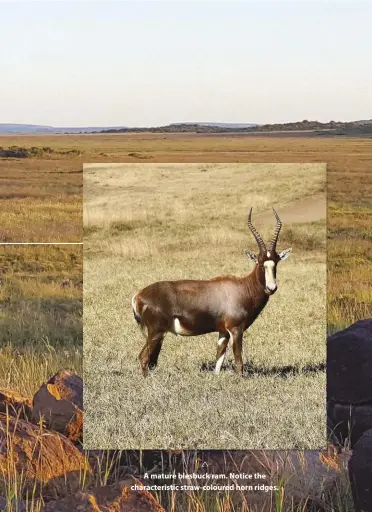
276, 371
252, 370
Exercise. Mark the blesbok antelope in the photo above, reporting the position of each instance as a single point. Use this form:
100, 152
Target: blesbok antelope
226, 304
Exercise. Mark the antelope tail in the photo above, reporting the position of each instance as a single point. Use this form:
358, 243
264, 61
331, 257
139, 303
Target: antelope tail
137, 314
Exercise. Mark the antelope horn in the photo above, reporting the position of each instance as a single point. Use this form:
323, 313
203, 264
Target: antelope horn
260, 242
276, 233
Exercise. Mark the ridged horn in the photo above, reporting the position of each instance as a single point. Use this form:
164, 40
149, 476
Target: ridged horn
260, 242
276, 233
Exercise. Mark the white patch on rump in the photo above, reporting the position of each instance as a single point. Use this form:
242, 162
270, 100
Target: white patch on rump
179, 329
269, 275
134, 305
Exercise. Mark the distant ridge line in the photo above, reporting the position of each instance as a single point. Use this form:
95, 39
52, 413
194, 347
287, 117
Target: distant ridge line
362, 127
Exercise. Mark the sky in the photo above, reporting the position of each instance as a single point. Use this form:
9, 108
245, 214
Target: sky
150, 63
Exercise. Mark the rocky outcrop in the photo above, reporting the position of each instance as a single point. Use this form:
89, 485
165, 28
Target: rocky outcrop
349, 382
59, 405
360, 470
45, 459
119, 497
15, 404
62, 473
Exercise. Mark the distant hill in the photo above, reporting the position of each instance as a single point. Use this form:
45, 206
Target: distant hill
184, 127
356, 129
362, 127
219, 125
8, 128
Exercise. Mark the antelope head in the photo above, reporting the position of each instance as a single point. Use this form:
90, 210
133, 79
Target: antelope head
267, 258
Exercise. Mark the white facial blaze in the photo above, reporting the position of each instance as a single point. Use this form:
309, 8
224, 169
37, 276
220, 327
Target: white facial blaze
269, 275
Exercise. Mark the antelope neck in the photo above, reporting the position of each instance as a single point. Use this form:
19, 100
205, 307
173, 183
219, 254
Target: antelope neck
257, 278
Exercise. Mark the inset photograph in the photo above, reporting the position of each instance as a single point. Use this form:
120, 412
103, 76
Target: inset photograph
40, 314
204, 306
41, 192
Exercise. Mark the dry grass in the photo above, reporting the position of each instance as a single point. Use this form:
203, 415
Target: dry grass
41, 200
350, 261
349, 186
41, 322
348, 176
151, 222
17, 494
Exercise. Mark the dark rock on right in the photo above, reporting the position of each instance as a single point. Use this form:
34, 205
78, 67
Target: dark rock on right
349, 383
360, 472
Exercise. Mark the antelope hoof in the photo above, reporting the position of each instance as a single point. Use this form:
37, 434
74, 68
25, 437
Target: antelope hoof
239, 370
144, 368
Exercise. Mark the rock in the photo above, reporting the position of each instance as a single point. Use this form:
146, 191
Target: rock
45, 459
118, 497
349, 382
360, 472
348, 422
59, 403
19, 506
349, 364
15, 404
312, 474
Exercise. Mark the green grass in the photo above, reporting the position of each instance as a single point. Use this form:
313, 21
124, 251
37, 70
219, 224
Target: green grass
350, 264
145, 224
41, 319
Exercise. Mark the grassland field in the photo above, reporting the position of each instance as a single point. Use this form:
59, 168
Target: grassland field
46, 182
40, 314
54, 177
146, 223
41, 199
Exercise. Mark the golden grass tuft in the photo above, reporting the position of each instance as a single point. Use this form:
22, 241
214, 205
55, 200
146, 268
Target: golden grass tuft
41, 318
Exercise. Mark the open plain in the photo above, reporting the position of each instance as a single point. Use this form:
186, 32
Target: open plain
40, 193
349, 190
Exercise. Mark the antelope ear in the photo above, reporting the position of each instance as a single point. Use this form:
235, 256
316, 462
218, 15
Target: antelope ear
284, 254
251, 256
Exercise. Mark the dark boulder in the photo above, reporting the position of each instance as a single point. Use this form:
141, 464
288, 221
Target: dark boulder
360, 471
349, 382
59, 405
